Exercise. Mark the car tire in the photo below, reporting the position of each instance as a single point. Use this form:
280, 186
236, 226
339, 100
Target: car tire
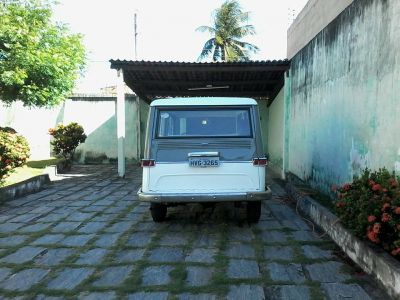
158, 212
253, 211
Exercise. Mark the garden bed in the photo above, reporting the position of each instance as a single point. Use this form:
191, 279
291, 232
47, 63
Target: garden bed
372, 260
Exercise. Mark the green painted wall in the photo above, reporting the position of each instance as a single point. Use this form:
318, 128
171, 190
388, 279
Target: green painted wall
98, 119
144, 112
264, 122
275, 132
344, 106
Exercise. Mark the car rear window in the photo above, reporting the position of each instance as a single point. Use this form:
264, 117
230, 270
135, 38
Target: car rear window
215, 122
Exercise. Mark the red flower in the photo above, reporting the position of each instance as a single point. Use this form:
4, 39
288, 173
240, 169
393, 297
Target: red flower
393, 182
340, 204
384, 190
395, 252
377, 228
385, 206
371, 219
376, 187
346, 187
386, 217
397, 210
372, 236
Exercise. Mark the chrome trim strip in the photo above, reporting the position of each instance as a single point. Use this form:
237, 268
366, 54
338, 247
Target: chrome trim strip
200, 197
186, 162
203, 154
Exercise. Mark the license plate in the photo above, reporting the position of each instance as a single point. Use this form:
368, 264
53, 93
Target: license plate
204, 162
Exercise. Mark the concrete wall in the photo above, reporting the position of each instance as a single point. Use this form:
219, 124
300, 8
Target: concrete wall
315, 16
344, 105
98, 119
32, 124
264, 122
275, 132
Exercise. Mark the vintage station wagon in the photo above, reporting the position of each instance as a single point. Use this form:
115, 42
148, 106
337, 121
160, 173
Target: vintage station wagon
203, 150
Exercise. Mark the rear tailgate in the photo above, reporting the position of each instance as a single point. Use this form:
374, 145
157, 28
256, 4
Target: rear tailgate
182, 178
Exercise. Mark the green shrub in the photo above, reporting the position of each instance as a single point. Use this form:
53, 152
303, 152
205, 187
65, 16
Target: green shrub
66, 139
370, 207
14, 151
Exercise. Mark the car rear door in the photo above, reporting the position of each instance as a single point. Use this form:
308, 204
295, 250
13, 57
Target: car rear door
204, 150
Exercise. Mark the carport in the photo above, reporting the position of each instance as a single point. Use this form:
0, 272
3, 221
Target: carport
261, 80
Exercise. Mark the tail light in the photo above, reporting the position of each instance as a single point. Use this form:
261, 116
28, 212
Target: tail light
260, 161
148, 163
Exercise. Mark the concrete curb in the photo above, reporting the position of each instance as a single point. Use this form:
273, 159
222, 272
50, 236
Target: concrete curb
29, 186
376, 262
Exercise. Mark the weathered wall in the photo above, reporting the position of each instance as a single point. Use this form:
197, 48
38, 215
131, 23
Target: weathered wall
275, 132
344, 107
32, 124
315, 16
264, 122
98, 118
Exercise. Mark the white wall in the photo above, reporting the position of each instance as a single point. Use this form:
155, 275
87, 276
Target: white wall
96, 117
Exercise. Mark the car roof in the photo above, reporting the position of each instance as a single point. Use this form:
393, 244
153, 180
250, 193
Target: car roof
203, 101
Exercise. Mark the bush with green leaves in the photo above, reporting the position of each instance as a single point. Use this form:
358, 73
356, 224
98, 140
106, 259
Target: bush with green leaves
370, 207
66, 139
14, 151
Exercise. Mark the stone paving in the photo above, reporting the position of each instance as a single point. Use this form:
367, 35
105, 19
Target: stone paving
87, 237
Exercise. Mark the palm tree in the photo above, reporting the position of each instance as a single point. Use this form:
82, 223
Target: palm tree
226, 44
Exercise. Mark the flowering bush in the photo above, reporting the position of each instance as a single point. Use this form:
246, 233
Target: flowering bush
370, 207
14, 151
66, 139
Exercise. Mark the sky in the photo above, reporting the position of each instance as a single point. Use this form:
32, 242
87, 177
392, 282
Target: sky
166, 31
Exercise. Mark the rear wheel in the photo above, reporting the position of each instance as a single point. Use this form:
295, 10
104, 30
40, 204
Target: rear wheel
253, 211
158, 212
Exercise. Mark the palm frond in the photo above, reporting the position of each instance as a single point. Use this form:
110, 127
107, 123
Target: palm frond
244, 17
207, 49
223, 52
242, 31
246, 46
217, 53
206, 29
238, 53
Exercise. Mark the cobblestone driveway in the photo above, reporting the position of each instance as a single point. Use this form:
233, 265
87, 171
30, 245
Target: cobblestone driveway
87, 237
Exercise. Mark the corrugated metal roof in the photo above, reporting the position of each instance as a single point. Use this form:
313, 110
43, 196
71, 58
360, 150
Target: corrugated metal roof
157, 79
204, 101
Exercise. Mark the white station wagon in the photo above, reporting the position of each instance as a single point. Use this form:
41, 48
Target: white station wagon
203, 150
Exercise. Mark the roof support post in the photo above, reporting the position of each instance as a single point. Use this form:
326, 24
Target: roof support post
138, 130
121, 123
286, 124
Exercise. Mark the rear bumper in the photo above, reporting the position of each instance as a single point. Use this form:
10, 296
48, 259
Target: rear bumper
206, 197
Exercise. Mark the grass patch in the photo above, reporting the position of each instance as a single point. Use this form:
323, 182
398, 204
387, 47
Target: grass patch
316, 292
31, 169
